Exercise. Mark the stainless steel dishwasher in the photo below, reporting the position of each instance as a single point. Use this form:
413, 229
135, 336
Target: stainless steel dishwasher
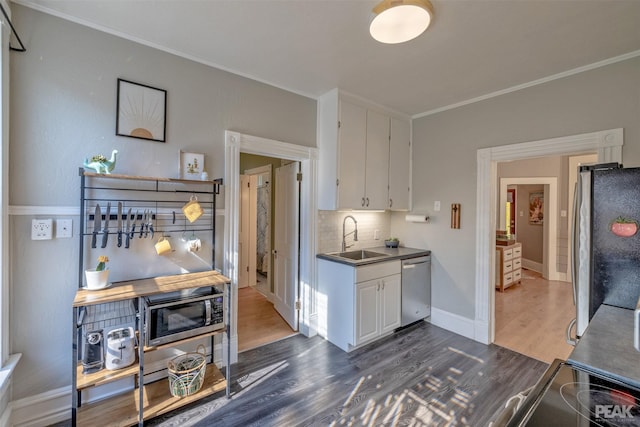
416, 289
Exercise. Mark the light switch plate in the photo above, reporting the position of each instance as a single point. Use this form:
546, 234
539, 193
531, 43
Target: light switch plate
436, 206
41, 229
64, 228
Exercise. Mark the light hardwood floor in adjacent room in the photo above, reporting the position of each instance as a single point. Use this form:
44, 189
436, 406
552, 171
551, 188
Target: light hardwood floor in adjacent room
258, 322
532, 317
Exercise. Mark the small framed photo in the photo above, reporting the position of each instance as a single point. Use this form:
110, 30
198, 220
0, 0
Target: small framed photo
191, 165
141, 111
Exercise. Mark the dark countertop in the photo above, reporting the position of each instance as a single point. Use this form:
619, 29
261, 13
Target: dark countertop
607, 346
393, 254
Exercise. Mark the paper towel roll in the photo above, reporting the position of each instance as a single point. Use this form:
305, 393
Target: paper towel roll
416, 218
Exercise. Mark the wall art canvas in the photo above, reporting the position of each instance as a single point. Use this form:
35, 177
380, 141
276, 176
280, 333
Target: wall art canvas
141, 111
536, 208
191, 165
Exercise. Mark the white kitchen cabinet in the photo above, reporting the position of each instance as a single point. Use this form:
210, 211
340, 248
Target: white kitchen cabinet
376, 174
399, 161
354, 154
357, 305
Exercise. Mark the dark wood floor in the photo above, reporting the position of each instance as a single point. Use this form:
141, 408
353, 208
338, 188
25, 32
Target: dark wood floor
421, 376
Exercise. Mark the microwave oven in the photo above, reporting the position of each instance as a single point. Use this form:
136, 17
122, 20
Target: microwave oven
176, 316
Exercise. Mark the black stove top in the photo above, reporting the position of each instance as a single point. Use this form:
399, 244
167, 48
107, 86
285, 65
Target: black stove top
571, 396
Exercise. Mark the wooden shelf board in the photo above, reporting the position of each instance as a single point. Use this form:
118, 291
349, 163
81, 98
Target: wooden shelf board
146, 178
122, 410
103, 376
137, 288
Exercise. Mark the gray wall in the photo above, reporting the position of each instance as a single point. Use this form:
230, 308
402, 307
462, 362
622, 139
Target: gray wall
444, 159
553, 166
63, 95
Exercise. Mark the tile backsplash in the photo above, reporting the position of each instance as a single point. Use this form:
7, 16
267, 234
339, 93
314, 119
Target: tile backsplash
330, 229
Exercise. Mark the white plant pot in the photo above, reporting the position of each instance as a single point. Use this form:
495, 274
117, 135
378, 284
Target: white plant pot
97, 279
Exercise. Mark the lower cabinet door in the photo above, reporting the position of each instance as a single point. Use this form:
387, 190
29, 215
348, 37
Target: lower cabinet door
390, 303
366, 322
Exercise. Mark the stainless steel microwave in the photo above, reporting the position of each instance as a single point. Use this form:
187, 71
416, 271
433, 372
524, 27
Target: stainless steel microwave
176, 316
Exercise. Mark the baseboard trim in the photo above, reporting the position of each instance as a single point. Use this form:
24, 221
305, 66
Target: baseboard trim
42, 409
532, 265
453, 323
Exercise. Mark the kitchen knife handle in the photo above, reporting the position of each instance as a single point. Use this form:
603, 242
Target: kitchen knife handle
133, 231
105, 237
126, 242
94, 239
119, 238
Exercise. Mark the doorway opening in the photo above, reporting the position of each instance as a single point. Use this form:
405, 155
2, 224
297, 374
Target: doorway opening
263, 316
607, 145
294, 261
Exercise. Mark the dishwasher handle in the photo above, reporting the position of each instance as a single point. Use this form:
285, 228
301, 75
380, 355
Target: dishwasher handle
409, 264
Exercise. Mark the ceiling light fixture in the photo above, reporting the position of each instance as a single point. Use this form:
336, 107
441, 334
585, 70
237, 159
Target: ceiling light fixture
398, 21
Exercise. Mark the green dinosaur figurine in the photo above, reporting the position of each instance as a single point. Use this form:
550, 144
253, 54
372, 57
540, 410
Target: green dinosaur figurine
100, 163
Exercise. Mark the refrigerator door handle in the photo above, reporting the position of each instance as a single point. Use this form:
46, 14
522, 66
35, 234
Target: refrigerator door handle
575, 254
571, 340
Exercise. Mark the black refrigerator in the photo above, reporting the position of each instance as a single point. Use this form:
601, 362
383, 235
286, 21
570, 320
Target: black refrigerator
606, 241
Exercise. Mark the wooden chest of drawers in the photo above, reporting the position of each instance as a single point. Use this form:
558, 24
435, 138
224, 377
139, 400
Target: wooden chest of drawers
508, 265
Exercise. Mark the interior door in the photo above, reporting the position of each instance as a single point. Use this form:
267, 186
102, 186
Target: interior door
247, 231
243, 233
286, 243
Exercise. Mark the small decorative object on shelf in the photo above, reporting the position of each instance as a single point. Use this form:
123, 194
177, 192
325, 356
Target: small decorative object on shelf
391, 242
101, 164
98, 278
624, 227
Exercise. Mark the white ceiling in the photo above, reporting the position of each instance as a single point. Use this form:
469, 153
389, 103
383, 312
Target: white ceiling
474, 48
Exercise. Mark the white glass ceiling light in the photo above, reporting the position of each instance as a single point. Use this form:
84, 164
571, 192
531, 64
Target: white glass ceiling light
398, 21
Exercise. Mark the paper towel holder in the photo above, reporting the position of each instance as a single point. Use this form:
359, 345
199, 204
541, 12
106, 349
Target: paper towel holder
417, 217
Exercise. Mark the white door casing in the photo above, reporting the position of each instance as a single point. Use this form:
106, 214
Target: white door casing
308, 156
243, 233
607, 144
285, 256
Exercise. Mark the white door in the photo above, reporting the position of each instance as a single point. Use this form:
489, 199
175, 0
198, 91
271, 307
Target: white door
286, 243
247, 231
244, 233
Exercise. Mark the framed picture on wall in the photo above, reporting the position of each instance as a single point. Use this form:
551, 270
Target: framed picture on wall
536, 208
141, 111
191, 165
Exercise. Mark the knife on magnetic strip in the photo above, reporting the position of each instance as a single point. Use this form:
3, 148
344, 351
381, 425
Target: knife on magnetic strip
96, 225
119, 224
105, 230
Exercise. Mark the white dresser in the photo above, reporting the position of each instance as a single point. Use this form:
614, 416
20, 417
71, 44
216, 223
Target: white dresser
508, 265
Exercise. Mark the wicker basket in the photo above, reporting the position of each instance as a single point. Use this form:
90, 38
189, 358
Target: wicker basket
186, 372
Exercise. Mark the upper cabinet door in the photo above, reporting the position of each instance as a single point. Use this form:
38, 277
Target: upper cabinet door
352, 155
399, 165
377, 161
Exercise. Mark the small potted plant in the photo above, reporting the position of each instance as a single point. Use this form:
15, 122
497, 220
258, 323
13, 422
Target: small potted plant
98, 278
391, 242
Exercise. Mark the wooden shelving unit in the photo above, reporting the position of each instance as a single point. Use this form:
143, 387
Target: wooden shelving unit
125, 409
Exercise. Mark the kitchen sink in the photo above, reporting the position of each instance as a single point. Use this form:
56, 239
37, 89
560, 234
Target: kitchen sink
359, 255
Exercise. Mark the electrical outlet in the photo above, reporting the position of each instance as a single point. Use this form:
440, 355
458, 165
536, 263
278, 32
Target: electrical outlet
436, 206
41, 229
376, 234
64, 228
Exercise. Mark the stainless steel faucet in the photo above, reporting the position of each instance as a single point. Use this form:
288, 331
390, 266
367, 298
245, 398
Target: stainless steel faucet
354, 232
